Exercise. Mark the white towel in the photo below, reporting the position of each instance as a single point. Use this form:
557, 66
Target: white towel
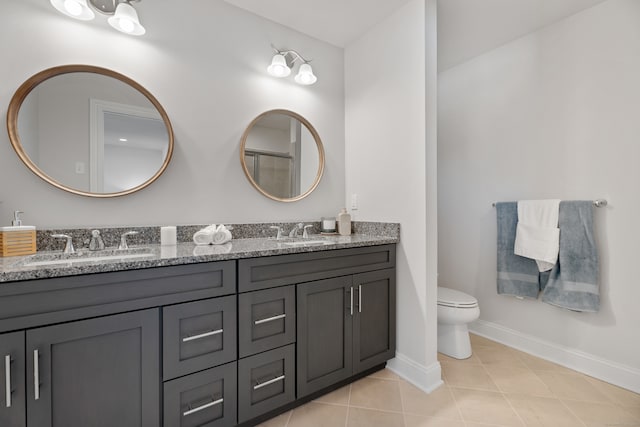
537, 232
222, 235
205, 236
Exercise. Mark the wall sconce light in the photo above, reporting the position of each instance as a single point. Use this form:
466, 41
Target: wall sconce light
284, 60
124, 17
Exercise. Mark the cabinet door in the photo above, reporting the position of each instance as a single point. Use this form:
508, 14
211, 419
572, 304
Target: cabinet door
12, 393
374, 328
101, 372
324, 321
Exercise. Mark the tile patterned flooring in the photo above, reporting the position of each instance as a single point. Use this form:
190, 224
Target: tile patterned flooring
497, 386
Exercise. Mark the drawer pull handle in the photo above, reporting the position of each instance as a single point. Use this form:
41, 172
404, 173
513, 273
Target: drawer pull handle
270, 319
360, 299
200, 408
206, 334
266, 383
36, 375
7, 378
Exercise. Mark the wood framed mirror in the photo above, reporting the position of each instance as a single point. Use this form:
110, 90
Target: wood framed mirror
282, 155
90, 131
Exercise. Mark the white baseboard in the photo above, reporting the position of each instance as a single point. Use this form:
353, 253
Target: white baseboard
426, 378
605, 370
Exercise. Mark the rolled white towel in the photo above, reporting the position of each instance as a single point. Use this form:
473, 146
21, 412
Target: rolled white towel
205, 236
222, 235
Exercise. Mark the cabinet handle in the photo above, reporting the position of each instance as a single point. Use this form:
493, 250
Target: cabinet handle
206, 334
266, 383
351, 307
270, 319
36, 375
7, 378
200, 408
359, 298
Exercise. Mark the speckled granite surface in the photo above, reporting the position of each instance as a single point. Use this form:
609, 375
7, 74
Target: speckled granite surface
249, 241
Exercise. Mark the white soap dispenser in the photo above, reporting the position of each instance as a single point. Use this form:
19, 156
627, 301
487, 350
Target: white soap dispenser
344, 223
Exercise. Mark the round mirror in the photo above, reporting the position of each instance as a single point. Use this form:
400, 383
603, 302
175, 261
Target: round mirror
90, 131
282, 155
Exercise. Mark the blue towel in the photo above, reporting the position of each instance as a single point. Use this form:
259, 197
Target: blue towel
517, 276
573, 282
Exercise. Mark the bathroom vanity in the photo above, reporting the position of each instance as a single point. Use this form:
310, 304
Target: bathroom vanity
193, 339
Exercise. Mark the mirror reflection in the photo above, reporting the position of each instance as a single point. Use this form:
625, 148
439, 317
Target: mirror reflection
91, 132
282, 155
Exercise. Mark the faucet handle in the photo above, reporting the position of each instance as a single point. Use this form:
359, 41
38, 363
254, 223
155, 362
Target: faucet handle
123, 240
96, 243
68, 247
305, 233
277, 227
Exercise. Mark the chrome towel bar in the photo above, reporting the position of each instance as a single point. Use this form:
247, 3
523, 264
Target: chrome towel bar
598, 203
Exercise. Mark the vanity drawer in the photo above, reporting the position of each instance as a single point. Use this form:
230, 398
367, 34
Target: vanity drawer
280, 270
266, 381
266, 320
198, 335
205, 398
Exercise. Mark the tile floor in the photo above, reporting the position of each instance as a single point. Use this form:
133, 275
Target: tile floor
497, 386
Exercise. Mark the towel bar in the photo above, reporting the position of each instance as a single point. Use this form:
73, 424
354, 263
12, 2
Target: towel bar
598, 203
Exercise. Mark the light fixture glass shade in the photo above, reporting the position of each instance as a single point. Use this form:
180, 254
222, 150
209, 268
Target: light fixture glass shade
126, 20
279, 67
77, 9
305, 75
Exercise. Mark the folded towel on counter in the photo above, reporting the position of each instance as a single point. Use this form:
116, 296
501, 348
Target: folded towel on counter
517, 276
573, 282
205, 236
537, 232
222, 235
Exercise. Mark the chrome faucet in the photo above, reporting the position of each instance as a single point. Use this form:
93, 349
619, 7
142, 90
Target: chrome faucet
294, 230
68, 247
305, 233
96, 243
279, 234
123, 240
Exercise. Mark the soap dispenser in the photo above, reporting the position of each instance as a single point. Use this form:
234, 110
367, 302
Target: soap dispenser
17, 239
344, 223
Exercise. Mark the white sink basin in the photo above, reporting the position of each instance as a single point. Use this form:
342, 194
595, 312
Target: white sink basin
57, 259
307, 242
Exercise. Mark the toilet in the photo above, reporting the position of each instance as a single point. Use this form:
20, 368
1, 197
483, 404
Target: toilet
455, 311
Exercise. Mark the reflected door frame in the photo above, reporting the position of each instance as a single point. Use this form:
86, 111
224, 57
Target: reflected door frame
97, 110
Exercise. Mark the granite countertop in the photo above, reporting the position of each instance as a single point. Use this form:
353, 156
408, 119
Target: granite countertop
13, 269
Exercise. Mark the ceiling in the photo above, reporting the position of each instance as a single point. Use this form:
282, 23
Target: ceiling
468, 28
338, 22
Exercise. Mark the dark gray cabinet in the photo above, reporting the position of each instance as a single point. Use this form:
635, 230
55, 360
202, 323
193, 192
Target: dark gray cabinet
102, 372
266, 319
207, 398
96, 372
345, 325
12, 379
198, 335
374, 320
93, 350
266, 381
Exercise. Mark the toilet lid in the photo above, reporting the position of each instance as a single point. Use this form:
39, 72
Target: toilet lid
452, 298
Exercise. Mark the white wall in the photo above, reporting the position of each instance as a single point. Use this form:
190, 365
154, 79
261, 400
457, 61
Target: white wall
550, 115
386, 146
206, 63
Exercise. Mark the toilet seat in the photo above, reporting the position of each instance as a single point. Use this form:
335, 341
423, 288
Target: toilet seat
451, 298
